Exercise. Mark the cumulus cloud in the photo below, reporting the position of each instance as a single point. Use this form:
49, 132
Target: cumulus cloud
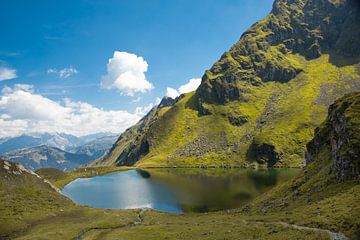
24, 111
144, 110
7, 73
192, 85
141, 111
126, 73
63, 73
171, 92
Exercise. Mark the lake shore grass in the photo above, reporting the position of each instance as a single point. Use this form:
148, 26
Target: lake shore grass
60, 178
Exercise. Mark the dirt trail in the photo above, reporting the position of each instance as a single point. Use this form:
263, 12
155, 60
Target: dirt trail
332, 235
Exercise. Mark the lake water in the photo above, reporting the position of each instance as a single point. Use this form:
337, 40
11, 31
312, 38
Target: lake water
176, 190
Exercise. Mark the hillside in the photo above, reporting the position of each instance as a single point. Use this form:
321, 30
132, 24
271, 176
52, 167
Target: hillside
259, 104
327, 191
32, 208
45, 157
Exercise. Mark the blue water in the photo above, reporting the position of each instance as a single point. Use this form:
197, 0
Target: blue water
122, 190
175, 190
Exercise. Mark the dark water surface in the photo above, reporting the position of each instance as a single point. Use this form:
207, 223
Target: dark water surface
176, 190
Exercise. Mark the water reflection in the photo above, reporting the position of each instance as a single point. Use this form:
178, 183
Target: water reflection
176, 190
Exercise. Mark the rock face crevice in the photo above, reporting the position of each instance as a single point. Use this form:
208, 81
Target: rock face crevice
340, 135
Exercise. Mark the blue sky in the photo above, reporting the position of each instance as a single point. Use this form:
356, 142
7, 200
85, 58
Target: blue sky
62, 48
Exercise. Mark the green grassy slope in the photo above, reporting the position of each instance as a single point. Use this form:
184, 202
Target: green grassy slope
259, 104
31, 208
326, 194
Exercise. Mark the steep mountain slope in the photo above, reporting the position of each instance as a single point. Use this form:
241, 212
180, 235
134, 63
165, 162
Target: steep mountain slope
132, 145
260, 103
327, 192
45, 157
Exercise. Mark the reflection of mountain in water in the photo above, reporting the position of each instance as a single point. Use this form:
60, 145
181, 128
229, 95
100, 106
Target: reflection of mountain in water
143, 173
263, 177
202, 190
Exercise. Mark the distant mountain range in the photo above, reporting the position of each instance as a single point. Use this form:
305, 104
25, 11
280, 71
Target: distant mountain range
95, 148
57, 150
45, 156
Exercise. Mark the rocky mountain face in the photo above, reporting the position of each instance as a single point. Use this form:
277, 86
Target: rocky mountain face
309, 28
45, 157
260, 103
340, 136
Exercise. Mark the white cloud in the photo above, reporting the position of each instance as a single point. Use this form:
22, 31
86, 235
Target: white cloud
23, 111
63, 73
126, 73
141, 111
171, 92
192, 85
52, 70
157, 101
7, 73
144, 110
136, 100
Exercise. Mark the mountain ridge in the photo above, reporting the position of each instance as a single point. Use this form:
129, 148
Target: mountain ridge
44, 156
63, 141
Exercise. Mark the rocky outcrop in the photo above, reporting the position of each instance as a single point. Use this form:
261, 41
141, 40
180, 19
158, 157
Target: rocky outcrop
204, 144
133, 153
237, 120
340, 136
166, 102
263, 153
305, 27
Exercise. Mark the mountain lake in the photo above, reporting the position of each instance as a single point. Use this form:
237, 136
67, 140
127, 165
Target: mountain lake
176, 190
